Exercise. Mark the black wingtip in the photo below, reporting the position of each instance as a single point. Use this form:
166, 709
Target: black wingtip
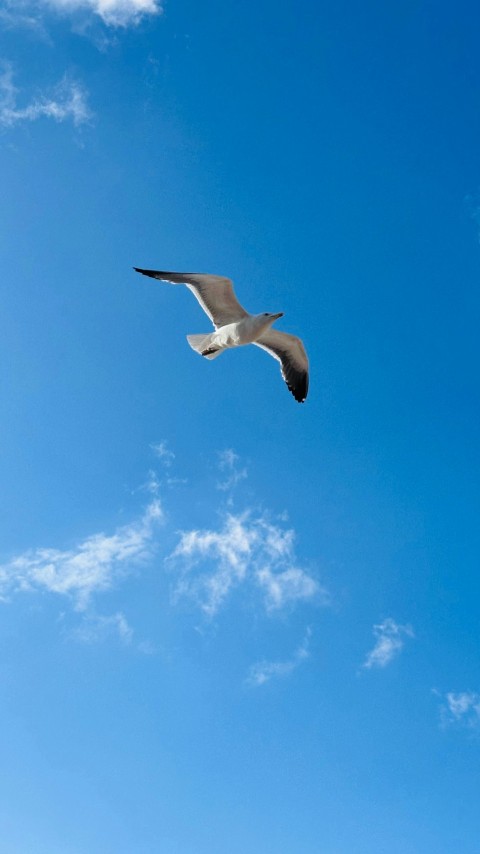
152, 273
299, 389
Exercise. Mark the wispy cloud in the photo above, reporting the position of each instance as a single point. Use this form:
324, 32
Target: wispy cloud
228, 464
94, 565
461, 708
248, 552
390, 639
163, 452
289, 585
97, 627
114, 13
152, 484
263, 671
245, 549
66, 102
14, 18
166, 458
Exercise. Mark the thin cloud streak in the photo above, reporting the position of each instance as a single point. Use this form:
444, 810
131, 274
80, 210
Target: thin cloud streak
227, 463
92, 567
13, 18
390, 642
114, 13
264, 671
166, 458
67, 102
163, 453
95, 628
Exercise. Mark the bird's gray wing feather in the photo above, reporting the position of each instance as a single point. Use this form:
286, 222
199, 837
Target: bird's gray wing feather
214, 293
290, 352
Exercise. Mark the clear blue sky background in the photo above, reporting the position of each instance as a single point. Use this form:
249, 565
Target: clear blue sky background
231, 623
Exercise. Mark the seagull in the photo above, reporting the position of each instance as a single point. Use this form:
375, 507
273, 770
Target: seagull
235, 327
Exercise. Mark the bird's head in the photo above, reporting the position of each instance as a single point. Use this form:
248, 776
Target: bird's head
268, 317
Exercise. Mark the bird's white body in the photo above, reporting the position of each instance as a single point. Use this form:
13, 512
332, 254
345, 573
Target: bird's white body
244, 331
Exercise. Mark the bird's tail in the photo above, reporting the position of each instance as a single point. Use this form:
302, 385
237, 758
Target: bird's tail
202, 343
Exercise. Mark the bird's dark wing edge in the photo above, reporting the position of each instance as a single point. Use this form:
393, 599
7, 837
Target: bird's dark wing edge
290, 352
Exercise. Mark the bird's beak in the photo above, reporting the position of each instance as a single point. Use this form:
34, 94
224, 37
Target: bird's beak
276, 316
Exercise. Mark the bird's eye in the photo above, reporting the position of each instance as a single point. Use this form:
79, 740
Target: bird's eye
265, 313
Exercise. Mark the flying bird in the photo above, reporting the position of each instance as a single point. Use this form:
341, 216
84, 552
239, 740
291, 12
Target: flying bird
235, 327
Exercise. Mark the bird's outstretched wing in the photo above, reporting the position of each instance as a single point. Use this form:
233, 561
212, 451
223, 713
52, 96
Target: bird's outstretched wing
290, 352
214, 293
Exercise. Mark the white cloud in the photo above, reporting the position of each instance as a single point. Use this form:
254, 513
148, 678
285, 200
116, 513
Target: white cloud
67, 101
263, 671
115, 13
462, 708
231, 550
93, 566
246, 552
288, 586
390, 641
245, 549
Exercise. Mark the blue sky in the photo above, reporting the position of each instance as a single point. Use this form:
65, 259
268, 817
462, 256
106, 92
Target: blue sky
231, 623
